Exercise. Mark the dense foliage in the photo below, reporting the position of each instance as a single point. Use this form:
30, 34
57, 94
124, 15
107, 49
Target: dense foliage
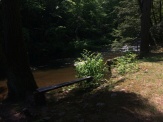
128, 23
60, 28
63, 28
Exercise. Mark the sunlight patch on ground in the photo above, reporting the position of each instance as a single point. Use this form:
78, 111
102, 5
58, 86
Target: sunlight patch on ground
148, 82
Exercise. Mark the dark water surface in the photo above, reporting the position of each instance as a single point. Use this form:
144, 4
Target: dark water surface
54, 76
66, 71
45, 78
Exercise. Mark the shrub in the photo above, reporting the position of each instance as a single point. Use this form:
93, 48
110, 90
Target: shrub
126, 63
90, 64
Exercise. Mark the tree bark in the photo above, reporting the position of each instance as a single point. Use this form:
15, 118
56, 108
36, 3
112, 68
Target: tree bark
160, 10
20, 79
145, 27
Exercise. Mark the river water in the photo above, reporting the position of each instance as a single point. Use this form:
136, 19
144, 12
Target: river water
54, 76
51, 76
45, 77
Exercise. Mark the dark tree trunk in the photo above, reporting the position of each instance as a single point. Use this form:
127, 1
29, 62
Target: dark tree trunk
153, 14
160, 10
20, 79
2, 63
145, 26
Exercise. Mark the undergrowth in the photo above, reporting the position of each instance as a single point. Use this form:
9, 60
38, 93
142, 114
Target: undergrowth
90, 64
126, 63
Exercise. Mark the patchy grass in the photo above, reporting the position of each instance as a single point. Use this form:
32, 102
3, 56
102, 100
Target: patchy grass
134, 97
147, 82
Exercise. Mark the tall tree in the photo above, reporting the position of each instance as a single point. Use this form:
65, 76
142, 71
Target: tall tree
20, 79
145, 26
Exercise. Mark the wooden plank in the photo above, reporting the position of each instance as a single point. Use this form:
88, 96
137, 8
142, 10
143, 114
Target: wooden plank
49, 88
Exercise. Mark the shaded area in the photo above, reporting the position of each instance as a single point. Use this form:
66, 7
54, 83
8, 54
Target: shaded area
78, 105
153, 57
103, 106
2, 72
85, 106
3, 90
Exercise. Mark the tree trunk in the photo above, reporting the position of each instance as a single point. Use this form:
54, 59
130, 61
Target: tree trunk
160, 10
145, 27
2, 63
20, 79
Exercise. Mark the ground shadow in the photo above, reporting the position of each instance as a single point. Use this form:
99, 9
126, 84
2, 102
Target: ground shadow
86, 106
103, 106
153, 57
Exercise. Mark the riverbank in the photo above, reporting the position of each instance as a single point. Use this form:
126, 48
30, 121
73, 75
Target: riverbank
53, 72
129, 98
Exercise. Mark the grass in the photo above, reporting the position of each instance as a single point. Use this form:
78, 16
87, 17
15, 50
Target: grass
147, 82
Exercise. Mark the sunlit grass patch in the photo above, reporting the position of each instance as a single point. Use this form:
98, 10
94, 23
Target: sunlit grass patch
148, 81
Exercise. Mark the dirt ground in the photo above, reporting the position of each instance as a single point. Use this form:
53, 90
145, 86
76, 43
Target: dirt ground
97, 106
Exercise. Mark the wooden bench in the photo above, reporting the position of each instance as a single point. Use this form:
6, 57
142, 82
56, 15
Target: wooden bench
39, 96
49, 88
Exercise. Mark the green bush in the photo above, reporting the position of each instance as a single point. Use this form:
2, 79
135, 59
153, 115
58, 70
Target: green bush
90, 64
126, 64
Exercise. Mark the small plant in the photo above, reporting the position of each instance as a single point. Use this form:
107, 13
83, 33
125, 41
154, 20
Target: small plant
90, 64
126, 64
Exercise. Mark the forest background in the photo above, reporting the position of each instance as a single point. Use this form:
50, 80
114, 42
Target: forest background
61, 29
